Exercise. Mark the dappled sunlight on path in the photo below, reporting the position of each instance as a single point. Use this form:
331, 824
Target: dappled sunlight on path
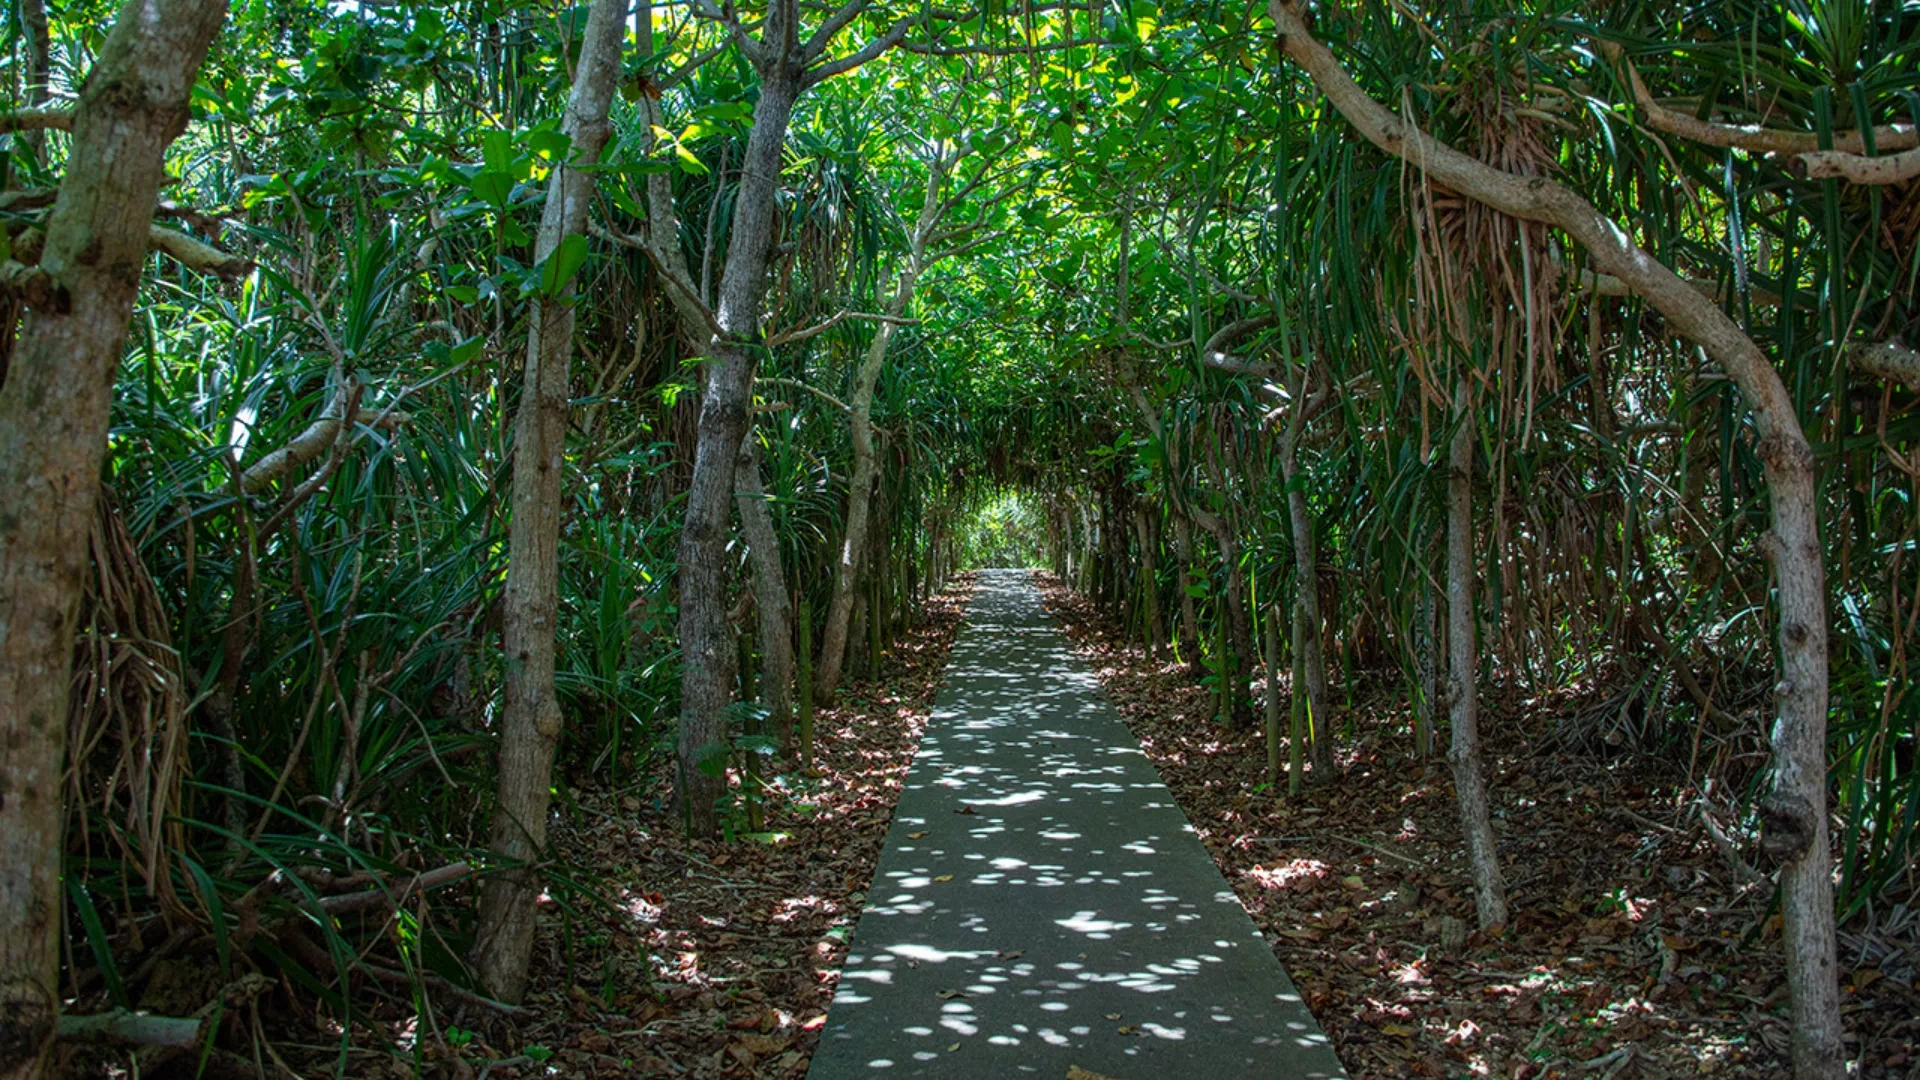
1042, 902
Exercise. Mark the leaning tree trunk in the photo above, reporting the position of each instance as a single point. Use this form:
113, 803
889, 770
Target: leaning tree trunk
846, 568
1796, 811
53, 433
530, 718
706, 637
769, 592
1464, 756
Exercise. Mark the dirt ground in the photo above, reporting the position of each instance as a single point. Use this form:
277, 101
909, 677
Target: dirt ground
1633, 950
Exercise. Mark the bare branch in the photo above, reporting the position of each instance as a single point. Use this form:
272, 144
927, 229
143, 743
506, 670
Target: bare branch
195, 255
688, 300
1889, 360
41, 118
823, 37
1857, 169
707, 9
1760, 140
1214, 352
1023, 49
785, 337
770, 380
872, 49
960, 249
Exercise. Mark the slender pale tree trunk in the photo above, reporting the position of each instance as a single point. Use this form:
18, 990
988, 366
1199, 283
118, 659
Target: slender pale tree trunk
53, 433
1156, 629
530, 718
1239, 626
1188, 634
847, 566
706, 637
1426, 651
1306, 562
1796, 812
1464, 755
769, 592
1239, 632
1297, 715
39, 41
1272, 718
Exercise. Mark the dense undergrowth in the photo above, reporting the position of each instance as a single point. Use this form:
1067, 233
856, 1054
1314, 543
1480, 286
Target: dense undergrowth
1641, 945
1140, 292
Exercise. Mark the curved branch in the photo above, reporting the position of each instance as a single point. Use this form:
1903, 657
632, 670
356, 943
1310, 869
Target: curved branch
786, 337
1798, 736
1751, 137
1214, 352
1889, 360
772, 380
195, 255
1856, 168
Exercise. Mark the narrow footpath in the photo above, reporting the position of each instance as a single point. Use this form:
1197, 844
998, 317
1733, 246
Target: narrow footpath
1042, 905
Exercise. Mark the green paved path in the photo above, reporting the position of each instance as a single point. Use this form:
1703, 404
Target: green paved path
1073, 919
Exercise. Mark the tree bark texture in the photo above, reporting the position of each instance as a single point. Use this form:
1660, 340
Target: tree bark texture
706, 637
530, 719
769, 592
1463, 755
53, 434
1156, 628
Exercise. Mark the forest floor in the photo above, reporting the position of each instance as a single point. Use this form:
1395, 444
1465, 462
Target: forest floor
718, 958
1633, 951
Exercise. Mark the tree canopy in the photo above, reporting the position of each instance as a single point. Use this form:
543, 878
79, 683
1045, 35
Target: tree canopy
516, 399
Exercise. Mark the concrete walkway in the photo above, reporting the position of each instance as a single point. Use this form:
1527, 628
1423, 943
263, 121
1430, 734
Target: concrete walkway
1042, 902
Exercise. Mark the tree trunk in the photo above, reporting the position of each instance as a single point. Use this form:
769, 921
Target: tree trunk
769, 592
806, 685
706, 638
1796, 812
1156, 630
53, 433
1239, 633
1427, 662
1306, 564
846, 568
39, 40
1272, 728
530, 718
1469, 780
1188, 635
1297, 718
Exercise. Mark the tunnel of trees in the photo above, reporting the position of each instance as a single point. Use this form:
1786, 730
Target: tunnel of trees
412, 415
